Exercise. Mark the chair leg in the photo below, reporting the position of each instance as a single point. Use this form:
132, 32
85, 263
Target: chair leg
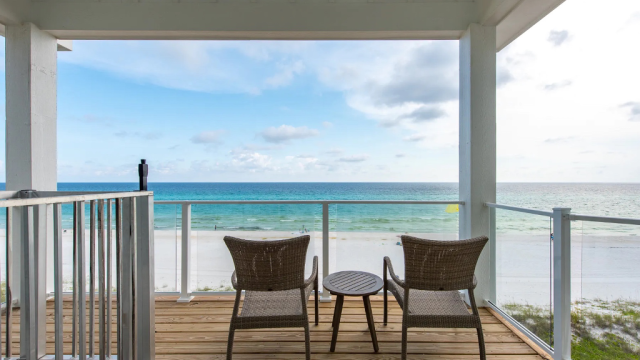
307, 343
384, 295
483, 352
232, 330
405, 322
316, 301
384, 292
230, 343
474, 308
404, 342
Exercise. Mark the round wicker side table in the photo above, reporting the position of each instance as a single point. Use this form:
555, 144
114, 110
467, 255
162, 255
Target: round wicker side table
353, 283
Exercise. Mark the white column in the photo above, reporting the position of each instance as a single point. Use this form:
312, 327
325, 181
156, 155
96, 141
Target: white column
478, 141
31, 126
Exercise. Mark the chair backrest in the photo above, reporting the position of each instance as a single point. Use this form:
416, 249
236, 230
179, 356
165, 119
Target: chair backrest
269, 265
441, 265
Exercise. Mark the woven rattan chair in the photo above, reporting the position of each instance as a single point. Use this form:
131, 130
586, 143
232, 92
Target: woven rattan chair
271, 273
429, 295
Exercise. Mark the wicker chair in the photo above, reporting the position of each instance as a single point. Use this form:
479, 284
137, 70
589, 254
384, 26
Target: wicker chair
429, 295
272, 275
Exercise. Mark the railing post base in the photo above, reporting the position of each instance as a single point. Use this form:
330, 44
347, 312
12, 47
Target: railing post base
325, 299
185, 299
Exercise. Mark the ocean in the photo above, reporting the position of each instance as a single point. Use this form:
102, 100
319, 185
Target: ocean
621, 200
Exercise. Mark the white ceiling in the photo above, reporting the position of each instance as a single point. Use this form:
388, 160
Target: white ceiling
275, 19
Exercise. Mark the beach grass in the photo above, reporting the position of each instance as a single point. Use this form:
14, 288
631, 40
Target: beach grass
601, 329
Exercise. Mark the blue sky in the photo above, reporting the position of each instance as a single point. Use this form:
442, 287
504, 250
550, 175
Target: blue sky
568, 107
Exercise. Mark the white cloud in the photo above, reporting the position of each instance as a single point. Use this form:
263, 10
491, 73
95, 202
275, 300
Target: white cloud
151, 135
327, 124
558, 85
415, 137
207, 137
335, 151
558, 37
634, 110
285, 133
286, 74
567, 99
354, 158
252, 162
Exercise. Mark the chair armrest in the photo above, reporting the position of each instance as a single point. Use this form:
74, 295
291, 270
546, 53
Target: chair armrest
394, 277
314, 273
234, 280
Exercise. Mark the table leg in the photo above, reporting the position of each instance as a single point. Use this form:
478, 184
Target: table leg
370, 322
337, 313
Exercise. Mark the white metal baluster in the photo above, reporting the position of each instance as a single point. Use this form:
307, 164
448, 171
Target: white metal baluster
119, 278
561, 284
8, 295
185, 266
57, 276
28, 314
82, 277
92, 275
101, 282
326, 297
7, 238
109, 281
74, 311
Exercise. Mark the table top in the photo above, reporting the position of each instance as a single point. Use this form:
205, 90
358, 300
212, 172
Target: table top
353, 283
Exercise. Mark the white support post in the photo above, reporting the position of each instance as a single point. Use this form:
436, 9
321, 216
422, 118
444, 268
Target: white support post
477, 143
33, 277
31, 126
185, 265
126, 306
561, 284
326, 297
145, 318
28, 273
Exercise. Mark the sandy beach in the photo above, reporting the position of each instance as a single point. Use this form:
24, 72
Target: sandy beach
603, 267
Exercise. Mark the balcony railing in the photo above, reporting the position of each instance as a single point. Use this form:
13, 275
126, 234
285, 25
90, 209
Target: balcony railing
121, 229
546, 252
321, 216
121, 232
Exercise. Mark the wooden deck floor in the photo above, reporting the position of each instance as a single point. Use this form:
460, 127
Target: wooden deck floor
198, 331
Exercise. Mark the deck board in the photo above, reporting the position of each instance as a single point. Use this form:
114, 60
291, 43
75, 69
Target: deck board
198, 331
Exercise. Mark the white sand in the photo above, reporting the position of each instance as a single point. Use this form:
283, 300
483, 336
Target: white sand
603, 267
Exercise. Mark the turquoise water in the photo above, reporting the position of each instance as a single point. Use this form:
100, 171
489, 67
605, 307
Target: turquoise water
621, 200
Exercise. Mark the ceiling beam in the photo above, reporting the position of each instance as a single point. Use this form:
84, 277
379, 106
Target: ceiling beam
262, 20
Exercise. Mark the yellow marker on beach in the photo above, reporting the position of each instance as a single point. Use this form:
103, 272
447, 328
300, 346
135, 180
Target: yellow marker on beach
453, 208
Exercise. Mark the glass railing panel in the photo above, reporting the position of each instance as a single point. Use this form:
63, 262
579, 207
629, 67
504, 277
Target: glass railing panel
524, 275
363, 234
167, 225
605, 309
211, 262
